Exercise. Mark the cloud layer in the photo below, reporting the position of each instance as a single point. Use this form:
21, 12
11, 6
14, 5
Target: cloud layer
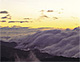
3, 12
55, 42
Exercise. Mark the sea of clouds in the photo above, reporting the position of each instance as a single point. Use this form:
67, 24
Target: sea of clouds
55, 42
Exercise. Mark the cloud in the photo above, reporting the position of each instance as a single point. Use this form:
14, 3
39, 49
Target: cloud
55, 18
8, 16
45, 16
60, 12
54, 42
15, 21
19, 21
3, 17
27, 18
3, 21
49, 10
3, 12
76, 29
42, 11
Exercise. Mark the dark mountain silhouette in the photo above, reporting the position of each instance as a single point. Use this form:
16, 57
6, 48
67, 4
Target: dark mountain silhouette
45, 57
12, 54
8, 44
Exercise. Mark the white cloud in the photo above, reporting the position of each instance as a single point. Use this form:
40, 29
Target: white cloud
54, 42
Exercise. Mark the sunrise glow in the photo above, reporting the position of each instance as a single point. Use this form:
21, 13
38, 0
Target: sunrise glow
41, 13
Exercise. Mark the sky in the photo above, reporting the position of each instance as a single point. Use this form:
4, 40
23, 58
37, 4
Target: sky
66, 13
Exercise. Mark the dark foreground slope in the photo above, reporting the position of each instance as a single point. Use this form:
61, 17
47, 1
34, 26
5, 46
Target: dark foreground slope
15, 55
11, 54
45, 57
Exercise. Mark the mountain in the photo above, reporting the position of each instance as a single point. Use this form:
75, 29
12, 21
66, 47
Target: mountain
8, 44
17, 55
